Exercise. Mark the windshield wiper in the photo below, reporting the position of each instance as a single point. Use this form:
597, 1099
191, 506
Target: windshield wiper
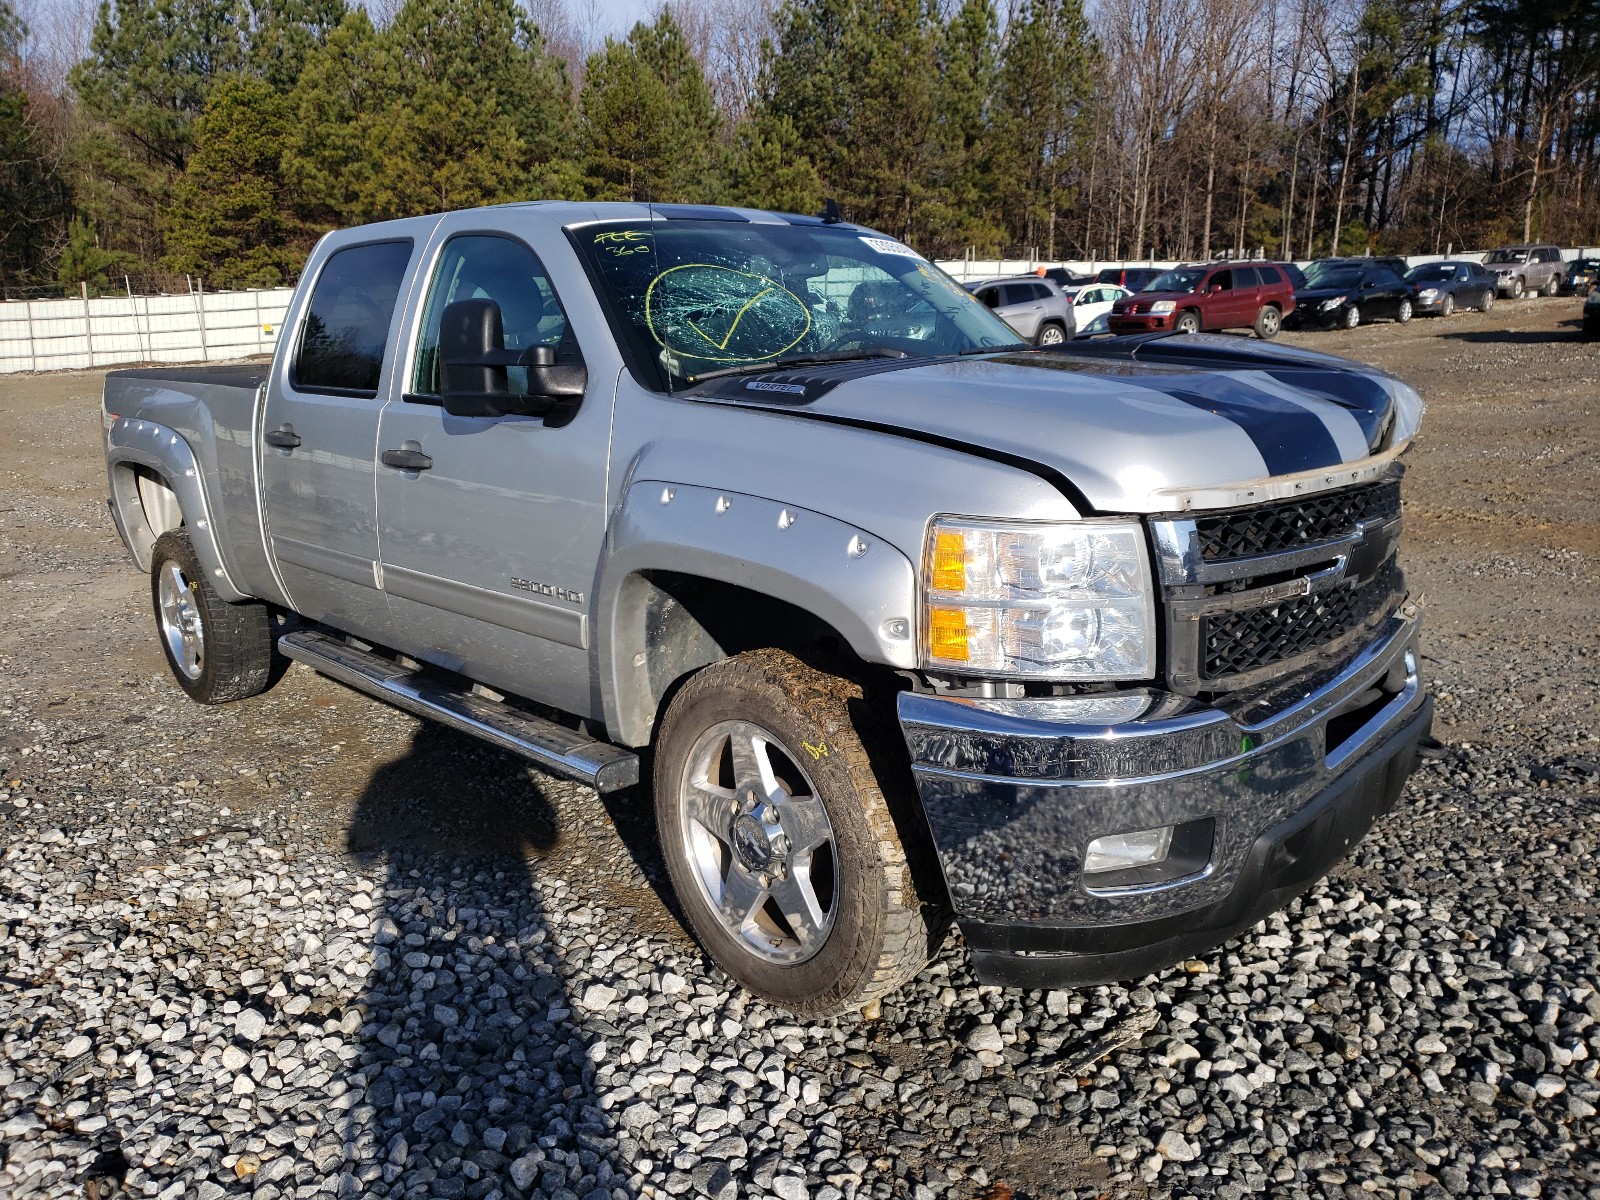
797, 360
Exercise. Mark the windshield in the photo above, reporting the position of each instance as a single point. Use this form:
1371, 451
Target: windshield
1176, 281
1507, 256
692, 297
1332, 275
1431, 273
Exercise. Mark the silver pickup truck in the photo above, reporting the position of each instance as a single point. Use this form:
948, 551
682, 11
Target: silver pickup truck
1101, 650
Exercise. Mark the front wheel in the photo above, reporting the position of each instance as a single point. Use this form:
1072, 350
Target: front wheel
217, 651
1403, 313
1051, 334
1447, 306
1352, 316
776, 798
1188, 322
1268, 321
1517, 288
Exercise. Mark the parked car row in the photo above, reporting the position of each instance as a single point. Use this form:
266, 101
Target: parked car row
1330, 293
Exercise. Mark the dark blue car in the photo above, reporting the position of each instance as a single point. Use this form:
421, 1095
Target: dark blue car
1439, 288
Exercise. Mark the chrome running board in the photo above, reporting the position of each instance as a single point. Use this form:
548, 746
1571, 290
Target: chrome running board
553, 747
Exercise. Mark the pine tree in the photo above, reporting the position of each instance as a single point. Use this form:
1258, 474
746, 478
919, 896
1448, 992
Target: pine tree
767, 168
284, 33
232, 219
648, 119
33, 197
1041, 102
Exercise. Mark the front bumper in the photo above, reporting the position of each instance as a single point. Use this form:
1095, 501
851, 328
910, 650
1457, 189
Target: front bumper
1139, 322
1283, 779
1314, 317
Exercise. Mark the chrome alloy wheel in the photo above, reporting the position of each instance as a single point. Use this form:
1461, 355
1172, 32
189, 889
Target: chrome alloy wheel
180, 621
759, 842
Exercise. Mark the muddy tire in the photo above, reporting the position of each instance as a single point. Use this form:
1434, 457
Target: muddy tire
217, 651
795, 846
1268, 321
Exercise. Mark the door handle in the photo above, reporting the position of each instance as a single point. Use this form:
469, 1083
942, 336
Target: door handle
284, 438
406, 460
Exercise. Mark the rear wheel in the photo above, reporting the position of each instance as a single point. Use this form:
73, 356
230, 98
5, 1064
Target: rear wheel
782, 840
1403, 313
1352, 316
1268, 321
1553, 288
1447, 306
217, 651
1188, 321
1488, 300
1051, 334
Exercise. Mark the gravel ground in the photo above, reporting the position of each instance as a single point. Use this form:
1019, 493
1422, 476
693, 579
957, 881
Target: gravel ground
306, 945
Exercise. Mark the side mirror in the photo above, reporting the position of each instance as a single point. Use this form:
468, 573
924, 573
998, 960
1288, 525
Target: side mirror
474, 368
1215, 288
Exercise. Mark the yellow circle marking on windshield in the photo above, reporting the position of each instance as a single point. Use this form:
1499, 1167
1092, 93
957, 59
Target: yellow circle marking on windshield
715, 348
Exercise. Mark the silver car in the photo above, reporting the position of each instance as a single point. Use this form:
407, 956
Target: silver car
1526, 270
1034, 306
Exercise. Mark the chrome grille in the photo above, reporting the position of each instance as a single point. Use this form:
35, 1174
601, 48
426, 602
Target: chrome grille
1252, 593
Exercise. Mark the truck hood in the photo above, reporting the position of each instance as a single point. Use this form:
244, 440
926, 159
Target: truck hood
1128, 425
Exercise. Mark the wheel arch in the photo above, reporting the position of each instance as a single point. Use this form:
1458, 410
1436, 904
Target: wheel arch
687, 583
156, 486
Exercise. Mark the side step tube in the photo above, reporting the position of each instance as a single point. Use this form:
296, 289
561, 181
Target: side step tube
553, 747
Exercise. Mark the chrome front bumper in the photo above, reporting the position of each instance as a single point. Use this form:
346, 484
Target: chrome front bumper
1279, 783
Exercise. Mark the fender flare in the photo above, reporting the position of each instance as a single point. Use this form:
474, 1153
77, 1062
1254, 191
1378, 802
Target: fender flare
862, 587
165, 452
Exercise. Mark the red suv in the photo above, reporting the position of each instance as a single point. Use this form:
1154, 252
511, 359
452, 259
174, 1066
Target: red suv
1220, 296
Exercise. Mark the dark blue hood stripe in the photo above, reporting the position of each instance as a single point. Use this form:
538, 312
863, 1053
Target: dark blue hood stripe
1289, 438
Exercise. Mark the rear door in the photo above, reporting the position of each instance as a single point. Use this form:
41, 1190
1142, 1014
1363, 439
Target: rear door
491, 526
1019, 308
320, 428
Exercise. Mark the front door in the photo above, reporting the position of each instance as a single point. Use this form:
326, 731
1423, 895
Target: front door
491, 535
318, 435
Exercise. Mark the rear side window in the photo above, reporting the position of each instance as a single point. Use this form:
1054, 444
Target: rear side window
347, 323
1018, 293
1270, 276
1244, 277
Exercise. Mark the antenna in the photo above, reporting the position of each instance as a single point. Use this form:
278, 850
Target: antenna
830, 212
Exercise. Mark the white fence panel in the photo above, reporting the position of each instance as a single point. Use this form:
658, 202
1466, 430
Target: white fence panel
105, 331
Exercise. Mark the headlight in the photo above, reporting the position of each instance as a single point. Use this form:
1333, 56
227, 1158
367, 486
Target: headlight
1335, 302
1163, 306
1042, 601
1427, 293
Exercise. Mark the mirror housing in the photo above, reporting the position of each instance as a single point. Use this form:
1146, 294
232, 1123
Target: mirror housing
474, 369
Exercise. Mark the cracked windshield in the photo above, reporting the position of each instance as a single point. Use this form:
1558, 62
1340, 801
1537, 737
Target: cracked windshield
697, 297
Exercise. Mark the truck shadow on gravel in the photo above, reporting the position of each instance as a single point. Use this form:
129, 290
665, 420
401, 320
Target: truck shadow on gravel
1567, 331
474, 1076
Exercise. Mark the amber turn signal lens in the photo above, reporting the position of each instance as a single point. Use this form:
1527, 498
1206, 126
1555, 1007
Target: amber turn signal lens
947, 634
949, 562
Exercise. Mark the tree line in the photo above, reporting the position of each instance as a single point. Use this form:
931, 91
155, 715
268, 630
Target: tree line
219, 138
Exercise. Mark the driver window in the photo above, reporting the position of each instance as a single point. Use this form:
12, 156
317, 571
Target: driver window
990, 296
1222, 280
490, 267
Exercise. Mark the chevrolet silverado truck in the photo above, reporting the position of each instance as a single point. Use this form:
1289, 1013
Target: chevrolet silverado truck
1101, 651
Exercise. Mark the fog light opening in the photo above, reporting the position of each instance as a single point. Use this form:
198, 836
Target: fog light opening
1120, 851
